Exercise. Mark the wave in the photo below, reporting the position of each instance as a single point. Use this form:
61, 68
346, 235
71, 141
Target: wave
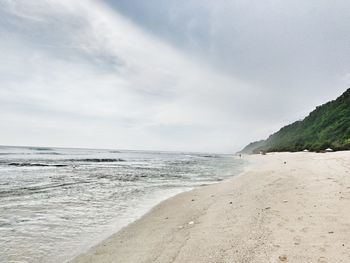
40, 164
38, 189
209, 156
97, 160
49, 153
36, 164
32, 153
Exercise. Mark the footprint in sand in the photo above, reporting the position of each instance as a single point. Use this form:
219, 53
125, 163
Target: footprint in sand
305, 229
322, 249
331, 218
297, 240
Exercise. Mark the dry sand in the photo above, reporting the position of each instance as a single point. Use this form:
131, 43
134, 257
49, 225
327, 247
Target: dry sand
298, 211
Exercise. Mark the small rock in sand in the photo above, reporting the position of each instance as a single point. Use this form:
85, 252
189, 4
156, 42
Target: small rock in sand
230, 203
282, 258
285, 201
191, 223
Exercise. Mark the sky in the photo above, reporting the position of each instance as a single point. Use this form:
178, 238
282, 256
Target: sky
174, 75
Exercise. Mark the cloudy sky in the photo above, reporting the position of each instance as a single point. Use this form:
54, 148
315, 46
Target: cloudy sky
194, 75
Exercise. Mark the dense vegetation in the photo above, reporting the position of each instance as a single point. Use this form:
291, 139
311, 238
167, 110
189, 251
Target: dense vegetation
328, 126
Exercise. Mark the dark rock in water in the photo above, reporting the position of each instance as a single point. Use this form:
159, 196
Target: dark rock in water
41, 149
209, 156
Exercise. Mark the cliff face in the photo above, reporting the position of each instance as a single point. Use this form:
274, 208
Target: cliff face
327, 126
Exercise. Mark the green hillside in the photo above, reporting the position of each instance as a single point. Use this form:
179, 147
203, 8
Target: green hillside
327, 126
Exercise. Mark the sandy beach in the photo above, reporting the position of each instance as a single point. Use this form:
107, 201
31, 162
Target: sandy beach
285, 207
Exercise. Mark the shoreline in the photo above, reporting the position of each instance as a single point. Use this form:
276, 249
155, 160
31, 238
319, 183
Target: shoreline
284, 207
90, 248
115, 230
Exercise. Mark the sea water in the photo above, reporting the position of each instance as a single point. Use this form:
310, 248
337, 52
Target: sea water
55, 203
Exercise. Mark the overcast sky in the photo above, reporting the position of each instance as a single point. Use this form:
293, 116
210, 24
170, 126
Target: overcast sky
194, 75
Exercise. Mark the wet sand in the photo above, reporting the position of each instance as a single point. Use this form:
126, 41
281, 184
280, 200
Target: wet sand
284, 208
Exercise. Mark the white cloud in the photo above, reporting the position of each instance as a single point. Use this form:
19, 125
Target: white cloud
91, 78
78, 73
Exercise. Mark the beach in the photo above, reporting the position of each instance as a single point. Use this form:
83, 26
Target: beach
285, 207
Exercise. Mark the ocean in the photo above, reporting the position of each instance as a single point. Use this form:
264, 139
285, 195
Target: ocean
55, 203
